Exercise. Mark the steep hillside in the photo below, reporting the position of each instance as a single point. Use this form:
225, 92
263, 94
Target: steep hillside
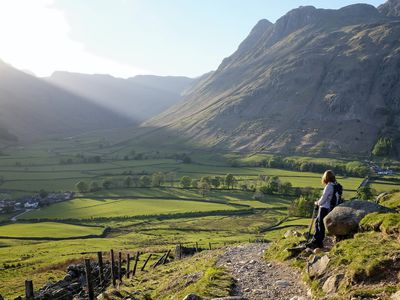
137, 98
391, 8
31, 108
315, 81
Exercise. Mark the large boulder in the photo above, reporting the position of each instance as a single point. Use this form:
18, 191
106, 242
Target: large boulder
344, 219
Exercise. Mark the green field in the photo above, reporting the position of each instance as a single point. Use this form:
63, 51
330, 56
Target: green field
47, 230
91, 208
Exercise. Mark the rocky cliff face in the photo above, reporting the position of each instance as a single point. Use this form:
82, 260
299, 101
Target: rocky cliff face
315, 81
391, 8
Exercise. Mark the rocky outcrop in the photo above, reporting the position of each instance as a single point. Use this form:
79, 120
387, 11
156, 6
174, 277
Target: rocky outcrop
390, 8
344, 219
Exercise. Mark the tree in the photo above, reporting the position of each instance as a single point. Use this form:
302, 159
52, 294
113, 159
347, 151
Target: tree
195, 183
128, 181
204, 188
107, 184
82, 187
185, 182
266, 190
230, 180
216, 182
145, 181
285, 188
273, 184
206, 179
365, 193
243, 187
157, 179
383, 147
301, 207
94, 186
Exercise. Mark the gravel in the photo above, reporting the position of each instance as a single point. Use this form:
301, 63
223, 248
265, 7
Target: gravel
257, 279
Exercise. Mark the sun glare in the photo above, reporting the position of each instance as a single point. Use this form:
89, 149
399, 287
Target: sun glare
35, 37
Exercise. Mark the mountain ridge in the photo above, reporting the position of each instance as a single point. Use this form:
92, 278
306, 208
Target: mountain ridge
137, 98
312, 69
31, 109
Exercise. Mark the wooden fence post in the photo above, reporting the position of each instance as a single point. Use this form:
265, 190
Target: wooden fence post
159, 260
197, 247
128, 265
114, 280
29, 295
135, 265
89, 283
209, 245
166, 257
120, 266
101, 269
145, 263
180, 250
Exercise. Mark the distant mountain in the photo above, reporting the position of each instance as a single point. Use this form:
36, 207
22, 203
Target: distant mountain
31, 108
137, 98
173, 84
316, 81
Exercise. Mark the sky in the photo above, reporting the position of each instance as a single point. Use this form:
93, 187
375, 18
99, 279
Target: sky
129, 37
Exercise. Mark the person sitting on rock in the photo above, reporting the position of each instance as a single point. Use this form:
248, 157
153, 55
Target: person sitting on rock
324, 206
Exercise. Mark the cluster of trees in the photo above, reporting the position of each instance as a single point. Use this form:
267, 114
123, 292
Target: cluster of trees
157, 179
353, 168
383, 147
206, 183
133, 155
81, 159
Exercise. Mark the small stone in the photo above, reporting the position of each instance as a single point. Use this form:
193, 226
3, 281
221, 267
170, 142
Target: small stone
298, 298
317, 266
269, 265
282, 283
332, 283
246, 290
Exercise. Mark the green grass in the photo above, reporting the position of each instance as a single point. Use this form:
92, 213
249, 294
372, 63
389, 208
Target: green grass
366, 255
388, 223
47, 230
92, 208
391, 201
197, 275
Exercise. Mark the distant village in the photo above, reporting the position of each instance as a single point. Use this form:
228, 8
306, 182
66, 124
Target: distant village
8, 206
381, 171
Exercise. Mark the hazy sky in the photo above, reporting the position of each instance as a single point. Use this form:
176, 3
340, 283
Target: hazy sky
128, 37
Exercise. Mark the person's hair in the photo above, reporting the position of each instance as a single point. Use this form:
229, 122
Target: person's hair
328, 176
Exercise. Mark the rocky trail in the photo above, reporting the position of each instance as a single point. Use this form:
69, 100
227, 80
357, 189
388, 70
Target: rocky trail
257, 279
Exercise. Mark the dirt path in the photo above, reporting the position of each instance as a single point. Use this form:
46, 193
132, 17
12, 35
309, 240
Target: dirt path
257, 279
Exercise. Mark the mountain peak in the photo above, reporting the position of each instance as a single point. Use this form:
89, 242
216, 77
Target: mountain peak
390, 8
